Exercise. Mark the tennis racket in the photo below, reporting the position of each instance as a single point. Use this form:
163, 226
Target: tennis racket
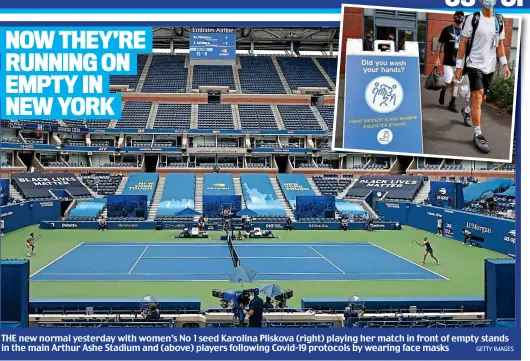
36, 238
417, 243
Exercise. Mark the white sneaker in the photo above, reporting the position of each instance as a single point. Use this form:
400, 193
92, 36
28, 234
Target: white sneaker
28, 255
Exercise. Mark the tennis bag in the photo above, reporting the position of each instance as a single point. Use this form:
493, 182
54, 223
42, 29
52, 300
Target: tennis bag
435, 81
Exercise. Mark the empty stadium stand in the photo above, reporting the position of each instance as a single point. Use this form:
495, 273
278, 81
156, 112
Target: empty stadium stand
102, 183
331, 186
173, 116
215, 116
220, 75
298, 117
328, 114
302, 72
167, 74
87, 123
269, 80
134, 115
329, 65
131, 80
257, 117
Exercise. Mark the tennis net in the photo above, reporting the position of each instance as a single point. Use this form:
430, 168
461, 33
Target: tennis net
233, 253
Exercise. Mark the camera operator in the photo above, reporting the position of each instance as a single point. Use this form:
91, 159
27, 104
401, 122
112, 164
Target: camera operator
255, 311
153, 314
350, 312
268, 303
344, 223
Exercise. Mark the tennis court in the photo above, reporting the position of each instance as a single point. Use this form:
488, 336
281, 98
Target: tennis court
213, 261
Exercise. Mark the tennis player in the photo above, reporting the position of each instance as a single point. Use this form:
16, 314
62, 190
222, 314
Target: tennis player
30, 245
428, 250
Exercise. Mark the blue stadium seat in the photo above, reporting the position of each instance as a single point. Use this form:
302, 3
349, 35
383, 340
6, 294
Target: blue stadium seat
215, 116
328, 113
166, 74
88, 123
131, 80
257, 117
302, 72
262, 69
220, 75
298, 117
330, 67
134, 115
173, 116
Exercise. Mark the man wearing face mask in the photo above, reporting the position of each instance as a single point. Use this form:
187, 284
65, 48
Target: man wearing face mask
482, 43
448, 44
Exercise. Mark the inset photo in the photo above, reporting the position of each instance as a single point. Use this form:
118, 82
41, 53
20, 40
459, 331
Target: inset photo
437, 84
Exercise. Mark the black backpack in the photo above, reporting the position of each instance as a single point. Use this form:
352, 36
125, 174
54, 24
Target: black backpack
474, 24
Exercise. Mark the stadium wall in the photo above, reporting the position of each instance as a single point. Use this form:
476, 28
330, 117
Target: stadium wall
25, 214
498, 234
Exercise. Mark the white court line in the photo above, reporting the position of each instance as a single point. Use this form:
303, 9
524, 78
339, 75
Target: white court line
138, 260
224, 280
409, 261
55, 260
214, 257
224, 245
331, 263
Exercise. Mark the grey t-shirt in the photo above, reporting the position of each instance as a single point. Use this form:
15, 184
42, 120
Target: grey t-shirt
483, 55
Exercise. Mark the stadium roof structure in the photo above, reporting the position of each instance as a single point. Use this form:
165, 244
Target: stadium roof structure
317, 39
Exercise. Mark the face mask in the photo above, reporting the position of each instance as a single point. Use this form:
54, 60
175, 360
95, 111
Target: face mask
488, 4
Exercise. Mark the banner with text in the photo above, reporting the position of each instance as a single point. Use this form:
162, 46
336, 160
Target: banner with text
382, 109
400, 187
38, 185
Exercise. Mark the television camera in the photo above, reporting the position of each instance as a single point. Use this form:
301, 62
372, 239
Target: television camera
281, 299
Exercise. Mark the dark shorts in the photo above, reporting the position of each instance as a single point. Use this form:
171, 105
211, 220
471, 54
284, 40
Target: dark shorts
478, 80
429, 250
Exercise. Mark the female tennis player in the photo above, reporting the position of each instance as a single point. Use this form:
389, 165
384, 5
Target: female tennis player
30, 245
428, 250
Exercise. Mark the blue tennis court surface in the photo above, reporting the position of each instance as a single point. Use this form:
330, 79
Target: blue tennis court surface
210, 261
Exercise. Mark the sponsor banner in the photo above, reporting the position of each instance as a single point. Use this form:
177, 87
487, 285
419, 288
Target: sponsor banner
400, 187
446, 194
39, 185
448, 230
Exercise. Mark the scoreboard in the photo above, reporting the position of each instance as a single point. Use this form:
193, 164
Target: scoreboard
214, 45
